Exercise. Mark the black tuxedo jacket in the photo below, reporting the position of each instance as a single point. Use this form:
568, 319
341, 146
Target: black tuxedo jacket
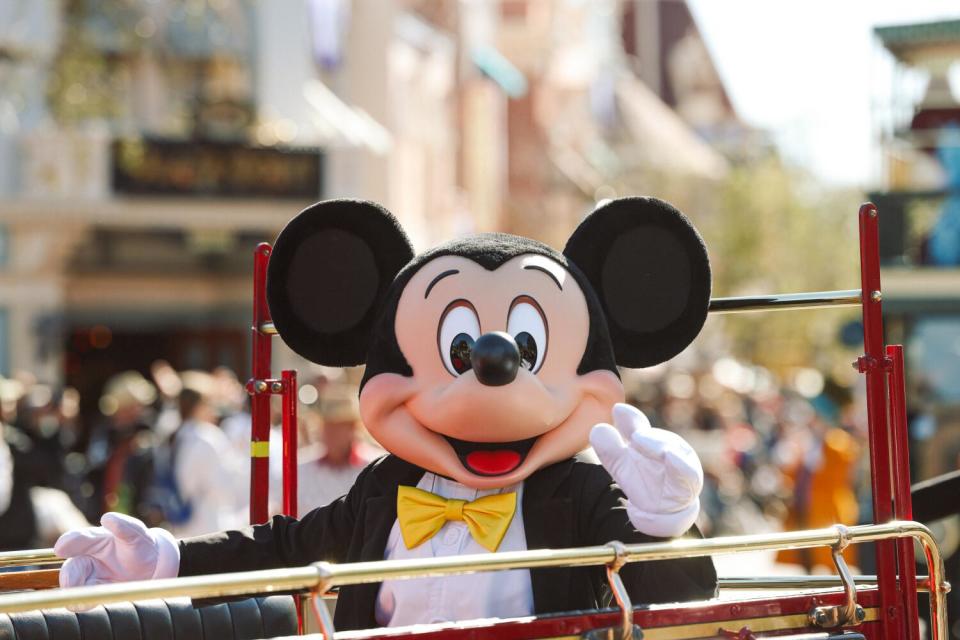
573, 503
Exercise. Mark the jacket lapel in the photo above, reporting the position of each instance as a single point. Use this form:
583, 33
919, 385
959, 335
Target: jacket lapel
548, 520
380, 507
548, 524
377, 516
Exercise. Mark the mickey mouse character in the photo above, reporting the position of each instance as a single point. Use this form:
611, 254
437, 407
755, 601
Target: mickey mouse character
490, 362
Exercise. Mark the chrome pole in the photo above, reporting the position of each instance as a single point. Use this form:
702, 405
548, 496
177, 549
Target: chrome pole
784, 301
803, 582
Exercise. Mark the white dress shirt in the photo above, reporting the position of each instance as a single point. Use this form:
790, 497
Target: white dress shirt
492, 594
211, 476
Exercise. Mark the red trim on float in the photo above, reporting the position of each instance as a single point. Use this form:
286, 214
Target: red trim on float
290, 400
903, 501
725, 614
260, 401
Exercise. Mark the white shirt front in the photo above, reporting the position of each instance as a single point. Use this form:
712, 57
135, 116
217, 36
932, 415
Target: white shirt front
211, 476
492, 594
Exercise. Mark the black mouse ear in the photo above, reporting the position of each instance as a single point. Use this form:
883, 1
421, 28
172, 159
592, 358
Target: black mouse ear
330, 268
650, 269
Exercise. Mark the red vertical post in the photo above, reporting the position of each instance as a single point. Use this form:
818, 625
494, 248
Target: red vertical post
260, 392
289, 382
873, 365
290, 443
902, 501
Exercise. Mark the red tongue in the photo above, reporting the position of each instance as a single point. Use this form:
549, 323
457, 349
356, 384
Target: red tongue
493, 463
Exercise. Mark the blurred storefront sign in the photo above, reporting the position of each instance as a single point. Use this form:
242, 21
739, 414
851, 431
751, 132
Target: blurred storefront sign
222, 169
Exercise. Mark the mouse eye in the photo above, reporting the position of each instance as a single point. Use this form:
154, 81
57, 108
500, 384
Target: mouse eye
528, 326
459, 328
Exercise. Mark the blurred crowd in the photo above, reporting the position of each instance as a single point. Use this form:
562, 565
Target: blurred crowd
172, 448
776, 456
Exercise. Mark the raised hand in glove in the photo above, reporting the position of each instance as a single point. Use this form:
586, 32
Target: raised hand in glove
657, 470
122, 549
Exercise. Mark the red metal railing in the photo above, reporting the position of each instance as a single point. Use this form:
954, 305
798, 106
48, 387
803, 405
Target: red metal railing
259, 392
902, 502
889, 455
261, 387
290, 443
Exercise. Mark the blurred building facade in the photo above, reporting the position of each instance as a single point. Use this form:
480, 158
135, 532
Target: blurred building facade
919, 202
148, 146
136, 185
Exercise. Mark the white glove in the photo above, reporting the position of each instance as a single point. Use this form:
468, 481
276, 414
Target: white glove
658, 471
122, 549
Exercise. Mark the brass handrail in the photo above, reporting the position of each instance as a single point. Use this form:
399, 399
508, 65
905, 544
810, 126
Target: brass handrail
46, 557
36, 557
322, 576
30, 557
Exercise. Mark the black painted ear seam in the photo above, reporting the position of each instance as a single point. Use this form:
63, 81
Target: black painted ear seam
363, 224
589, 247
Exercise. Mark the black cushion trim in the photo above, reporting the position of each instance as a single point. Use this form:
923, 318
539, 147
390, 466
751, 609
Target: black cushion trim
245, 616
216, 622
62, 624
279, 615
177, 619
124, 621
186, 619
155, 620
95, 624
31, 626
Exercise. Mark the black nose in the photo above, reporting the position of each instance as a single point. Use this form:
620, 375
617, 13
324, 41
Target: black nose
495, 359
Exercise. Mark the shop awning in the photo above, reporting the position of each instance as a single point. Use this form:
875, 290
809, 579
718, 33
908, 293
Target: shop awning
338, 124
661, 139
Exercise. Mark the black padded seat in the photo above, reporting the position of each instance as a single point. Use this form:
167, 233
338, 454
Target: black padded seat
175, 619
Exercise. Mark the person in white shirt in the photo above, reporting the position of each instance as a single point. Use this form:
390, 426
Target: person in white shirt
330, 468
208, 473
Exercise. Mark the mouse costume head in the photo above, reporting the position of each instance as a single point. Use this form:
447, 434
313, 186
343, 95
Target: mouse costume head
491, 356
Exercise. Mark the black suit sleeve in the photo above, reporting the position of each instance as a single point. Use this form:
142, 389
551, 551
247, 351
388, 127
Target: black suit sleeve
937, 497
603, 518
322, 534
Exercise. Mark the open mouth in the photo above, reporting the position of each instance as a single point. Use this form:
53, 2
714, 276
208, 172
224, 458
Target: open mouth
491, 458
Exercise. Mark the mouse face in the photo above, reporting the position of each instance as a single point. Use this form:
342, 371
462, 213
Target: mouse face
494, 392
491, 356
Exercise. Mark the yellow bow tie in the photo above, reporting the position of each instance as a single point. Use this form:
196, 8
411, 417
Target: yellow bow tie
422, 514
